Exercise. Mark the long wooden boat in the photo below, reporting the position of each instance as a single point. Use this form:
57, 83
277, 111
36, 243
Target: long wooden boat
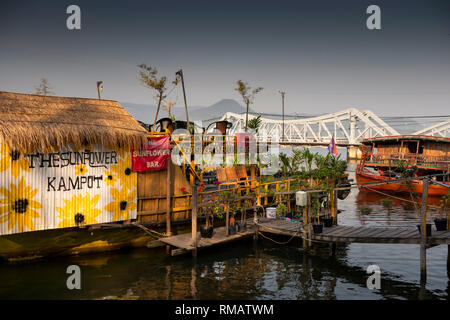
391, 158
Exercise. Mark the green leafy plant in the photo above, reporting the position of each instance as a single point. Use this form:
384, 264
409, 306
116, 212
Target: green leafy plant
255, 123
281, 210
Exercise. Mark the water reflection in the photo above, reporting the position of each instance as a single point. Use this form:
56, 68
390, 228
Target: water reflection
245, 270
241, 271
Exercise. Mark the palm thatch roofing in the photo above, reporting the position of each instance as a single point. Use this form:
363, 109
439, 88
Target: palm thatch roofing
32, 122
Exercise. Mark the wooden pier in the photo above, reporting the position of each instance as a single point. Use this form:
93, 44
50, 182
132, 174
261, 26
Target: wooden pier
183, 243
347, 234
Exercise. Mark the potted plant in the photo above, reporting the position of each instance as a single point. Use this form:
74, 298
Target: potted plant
317, 225
232, 226
428, 228
327, 220
281, 210
441, 223
242, 226
207, 230
171, 126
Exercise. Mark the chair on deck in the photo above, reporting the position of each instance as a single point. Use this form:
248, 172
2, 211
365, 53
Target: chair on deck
243, 177
223, 179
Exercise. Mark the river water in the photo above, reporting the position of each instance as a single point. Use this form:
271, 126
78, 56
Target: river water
247, 269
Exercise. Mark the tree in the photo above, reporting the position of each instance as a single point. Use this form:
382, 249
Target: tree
43, 88
248, 95
148, 78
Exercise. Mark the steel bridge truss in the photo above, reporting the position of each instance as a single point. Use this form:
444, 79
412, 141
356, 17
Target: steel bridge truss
348, 127
440, 129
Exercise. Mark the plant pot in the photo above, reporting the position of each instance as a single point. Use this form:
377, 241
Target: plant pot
210, 232
317, 228
428, 229
240, 227
441, 224
171, 127
206, 232
327, 222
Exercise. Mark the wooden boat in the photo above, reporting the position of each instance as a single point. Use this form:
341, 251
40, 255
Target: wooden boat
391, 158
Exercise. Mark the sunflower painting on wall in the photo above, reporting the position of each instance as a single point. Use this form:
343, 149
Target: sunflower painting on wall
123, 204
79, 210
110, 178
17, 206
127, 178
12, 159
80, 170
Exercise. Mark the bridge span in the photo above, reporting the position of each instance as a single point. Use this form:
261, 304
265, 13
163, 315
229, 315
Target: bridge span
348, 127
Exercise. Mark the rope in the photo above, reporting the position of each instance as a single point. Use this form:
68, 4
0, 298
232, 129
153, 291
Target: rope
277, 242
398, 198
149, 231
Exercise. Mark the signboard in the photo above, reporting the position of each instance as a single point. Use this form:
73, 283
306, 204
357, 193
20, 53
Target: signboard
64, 188
154, 157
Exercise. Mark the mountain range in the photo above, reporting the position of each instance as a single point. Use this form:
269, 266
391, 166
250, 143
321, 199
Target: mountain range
146, 113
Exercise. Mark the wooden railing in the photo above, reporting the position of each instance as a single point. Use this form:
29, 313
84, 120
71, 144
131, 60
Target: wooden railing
394, 159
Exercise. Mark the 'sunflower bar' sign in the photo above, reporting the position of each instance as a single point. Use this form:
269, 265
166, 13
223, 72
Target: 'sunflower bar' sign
154, 157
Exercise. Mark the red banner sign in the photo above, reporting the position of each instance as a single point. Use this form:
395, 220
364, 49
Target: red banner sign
154, 157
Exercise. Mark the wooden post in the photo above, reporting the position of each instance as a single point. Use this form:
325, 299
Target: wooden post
266, 187
227, 219
448, 261
169, 198
308, 207
423, 232
335, 207
333, 249
333, 210
305, 226
194, 220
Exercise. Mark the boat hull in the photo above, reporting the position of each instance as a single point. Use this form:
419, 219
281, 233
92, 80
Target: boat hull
401, 187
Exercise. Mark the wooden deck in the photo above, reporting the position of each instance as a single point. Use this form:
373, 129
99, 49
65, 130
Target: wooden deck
183, 242
355, 234
409, 235
280, 227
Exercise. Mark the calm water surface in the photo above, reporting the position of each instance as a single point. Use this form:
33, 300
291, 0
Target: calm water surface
246, 270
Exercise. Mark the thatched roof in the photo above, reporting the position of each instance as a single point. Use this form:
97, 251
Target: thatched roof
33, 122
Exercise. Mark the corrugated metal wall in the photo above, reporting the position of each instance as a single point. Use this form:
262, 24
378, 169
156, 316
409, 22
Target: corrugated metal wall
55, 190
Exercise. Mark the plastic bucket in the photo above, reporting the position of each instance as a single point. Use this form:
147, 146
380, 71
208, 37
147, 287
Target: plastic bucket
271, 213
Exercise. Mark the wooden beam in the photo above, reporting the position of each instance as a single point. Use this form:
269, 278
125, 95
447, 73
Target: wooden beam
194, 219
169, 197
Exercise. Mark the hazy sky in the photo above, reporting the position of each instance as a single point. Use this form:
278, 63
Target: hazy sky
319, 52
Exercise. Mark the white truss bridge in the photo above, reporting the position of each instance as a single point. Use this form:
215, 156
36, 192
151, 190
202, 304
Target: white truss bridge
348, 127
442, 129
